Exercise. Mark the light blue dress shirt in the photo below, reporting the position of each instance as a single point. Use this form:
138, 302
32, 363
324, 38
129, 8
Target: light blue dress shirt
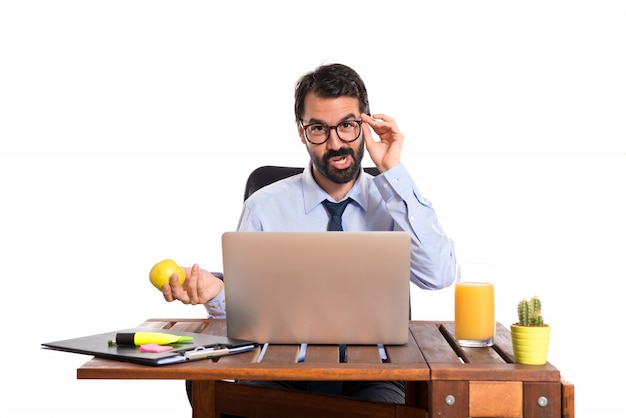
387, 202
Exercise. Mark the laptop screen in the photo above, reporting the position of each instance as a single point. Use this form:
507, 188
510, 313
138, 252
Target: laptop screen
317, 287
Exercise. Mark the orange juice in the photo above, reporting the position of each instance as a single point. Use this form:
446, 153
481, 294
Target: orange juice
474, 314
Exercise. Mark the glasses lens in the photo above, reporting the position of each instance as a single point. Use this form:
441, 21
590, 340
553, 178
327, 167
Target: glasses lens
349, 130
317, 133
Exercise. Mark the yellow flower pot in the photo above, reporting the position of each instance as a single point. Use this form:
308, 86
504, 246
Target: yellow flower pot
530, 344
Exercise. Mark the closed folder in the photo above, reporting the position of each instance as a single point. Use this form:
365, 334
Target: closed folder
203, 346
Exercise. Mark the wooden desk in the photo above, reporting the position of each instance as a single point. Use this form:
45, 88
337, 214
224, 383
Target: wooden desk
442, 378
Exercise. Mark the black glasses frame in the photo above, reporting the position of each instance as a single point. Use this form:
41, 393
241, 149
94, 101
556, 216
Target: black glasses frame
330, 128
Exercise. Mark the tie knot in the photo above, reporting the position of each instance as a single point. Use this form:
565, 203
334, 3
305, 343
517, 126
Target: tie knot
336, 209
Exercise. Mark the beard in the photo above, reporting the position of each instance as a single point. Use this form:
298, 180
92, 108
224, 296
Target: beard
322, 164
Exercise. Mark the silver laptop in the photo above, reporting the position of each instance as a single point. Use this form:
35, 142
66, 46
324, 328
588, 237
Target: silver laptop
317, 287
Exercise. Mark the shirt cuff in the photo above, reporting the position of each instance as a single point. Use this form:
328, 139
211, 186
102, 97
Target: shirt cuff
397, 182
216, 307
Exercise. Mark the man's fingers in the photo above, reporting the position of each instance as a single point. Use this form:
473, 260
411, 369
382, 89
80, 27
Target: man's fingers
177, 291
192, 286
167, 292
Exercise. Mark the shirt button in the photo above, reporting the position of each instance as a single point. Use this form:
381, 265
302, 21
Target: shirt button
385, 185
394, 181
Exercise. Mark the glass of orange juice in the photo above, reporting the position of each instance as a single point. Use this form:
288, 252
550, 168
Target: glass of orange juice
474, 318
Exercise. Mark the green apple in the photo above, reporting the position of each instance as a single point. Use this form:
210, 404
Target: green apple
162, 271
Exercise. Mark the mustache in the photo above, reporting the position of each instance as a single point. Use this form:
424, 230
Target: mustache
338, 153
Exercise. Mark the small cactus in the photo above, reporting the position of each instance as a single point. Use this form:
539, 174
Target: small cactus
529, 312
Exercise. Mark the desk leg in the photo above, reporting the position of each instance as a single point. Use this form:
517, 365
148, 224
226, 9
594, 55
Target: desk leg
542, 400
449, 399
567, 399
417, 394
203, 399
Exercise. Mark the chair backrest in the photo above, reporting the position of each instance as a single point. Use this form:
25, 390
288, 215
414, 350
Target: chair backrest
269, 174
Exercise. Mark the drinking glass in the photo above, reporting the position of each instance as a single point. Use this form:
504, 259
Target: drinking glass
474, 318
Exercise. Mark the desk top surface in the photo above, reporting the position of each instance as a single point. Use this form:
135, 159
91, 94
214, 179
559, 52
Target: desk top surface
431, 354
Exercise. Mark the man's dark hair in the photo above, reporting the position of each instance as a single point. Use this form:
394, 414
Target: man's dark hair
331, 81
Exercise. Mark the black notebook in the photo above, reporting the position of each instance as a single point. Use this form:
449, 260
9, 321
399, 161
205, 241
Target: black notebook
202, 346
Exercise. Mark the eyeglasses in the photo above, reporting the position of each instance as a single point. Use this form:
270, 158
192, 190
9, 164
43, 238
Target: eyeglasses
318, 133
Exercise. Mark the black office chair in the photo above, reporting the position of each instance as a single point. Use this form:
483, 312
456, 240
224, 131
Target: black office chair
269, 174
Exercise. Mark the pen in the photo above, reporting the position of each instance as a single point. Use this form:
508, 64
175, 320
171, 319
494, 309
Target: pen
141, 338
217, 351
204, 352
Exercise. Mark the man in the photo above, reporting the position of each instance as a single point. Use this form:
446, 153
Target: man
334, 124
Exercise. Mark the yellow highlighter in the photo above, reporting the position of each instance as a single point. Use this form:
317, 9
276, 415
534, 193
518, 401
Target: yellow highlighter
141, 338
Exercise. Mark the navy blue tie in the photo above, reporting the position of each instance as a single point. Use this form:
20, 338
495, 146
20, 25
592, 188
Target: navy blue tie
335, 210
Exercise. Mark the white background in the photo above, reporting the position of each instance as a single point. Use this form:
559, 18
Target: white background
128, 128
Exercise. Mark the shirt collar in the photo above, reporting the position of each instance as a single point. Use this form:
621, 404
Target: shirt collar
314, 195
